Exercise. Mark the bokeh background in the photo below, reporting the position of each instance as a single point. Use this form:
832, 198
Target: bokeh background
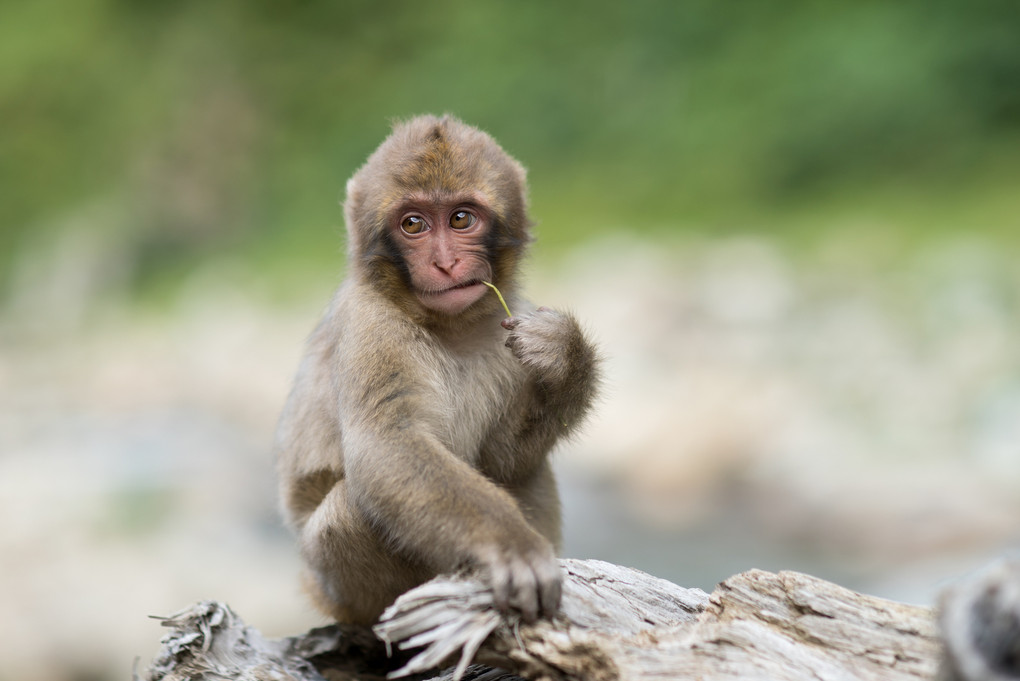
792, 226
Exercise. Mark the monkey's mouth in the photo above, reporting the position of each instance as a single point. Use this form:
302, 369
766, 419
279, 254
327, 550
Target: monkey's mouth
453, 299
456, 287
467, 284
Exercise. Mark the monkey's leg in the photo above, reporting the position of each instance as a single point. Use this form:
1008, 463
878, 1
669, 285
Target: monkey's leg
539, 501
353, 578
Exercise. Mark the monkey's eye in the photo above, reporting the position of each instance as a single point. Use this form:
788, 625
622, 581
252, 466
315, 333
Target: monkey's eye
462, 219
413, 224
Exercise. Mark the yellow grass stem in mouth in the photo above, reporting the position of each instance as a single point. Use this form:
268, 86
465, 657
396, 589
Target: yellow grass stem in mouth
500, 296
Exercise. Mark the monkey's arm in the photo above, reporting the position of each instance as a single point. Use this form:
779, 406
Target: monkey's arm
430, 504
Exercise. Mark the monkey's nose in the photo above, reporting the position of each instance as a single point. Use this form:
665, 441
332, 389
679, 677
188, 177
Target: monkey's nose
447, 266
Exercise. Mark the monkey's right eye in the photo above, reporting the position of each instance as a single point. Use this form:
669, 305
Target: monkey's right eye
413, 224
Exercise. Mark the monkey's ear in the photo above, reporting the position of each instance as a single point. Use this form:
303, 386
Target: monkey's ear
352, 205
350, 192
352, 196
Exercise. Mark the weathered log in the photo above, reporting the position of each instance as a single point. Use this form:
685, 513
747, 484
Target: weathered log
621, 624
209, 641
603, 604
616, 623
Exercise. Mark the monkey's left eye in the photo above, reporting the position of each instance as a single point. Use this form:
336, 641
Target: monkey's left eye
413, 224
462, 219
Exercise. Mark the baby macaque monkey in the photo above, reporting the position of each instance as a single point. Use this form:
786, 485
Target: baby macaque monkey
416, 438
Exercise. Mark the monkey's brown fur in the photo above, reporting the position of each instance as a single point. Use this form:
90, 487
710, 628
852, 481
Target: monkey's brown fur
415, 442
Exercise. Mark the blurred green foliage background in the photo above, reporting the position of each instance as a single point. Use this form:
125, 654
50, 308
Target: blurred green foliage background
173, 133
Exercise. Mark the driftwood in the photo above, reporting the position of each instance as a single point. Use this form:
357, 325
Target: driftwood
618, 623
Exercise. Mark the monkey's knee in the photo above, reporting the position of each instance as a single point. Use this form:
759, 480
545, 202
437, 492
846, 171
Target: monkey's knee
351, 577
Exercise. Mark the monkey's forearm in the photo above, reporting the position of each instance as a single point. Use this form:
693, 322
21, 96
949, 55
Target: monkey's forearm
550, 408
524, 437
431, 504
569, 399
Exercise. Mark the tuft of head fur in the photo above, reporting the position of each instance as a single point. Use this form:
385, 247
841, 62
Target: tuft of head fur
434, 157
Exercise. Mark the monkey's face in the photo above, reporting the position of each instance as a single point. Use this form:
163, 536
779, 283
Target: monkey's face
443, 243
438, 208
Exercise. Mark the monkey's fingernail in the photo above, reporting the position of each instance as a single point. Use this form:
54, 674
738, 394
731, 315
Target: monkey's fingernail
543, 308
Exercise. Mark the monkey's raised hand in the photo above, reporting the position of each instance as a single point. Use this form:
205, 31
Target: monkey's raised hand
552, 346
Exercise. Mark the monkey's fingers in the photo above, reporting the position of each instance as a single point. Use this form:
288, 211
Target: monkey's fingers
510, 323
499, 578
525, 588
551, 591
